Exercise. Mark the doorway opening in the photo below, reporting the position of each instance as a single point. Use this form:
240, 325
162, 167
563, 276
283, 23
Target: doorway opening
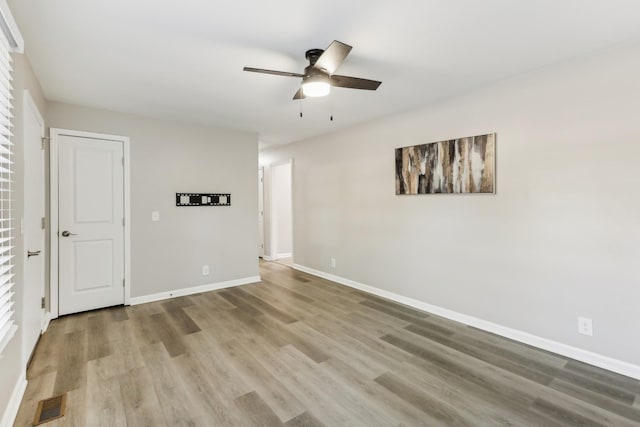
282, 213
261, 213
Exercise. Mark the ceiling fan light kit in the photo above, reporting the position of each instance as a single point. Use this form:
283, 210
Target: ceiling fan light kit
319, 75
316, 86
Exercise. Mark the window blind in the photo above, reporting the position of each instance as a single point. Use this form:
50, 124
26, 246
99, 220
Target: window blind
7, 325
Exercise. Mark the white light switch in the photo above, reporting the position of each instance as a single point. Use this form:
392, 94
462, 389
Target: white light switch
155, 216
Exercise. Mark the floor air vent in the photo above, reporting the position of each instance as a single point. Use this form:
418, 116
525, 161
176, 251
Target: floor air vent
50, 409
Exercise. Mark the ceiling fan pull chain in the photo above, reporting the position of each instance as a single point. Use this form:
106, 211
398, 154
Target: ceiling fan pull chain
331, 109
300, 108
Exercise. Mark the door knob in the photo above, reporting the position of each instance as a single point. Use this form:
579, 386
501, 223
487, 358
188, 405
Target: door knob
67, 233
32, 253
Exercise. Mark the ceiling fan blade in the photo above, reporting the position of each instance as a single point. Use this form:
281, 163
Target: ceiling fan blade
354, 82
332, 57
275, 73
299, 94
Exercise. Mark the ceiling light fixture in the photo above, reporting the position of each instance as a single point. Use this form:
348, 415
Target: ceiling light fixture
316, 86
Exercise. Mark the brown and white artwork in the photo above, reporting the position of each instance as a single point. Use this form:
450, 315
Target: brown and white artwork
463, 165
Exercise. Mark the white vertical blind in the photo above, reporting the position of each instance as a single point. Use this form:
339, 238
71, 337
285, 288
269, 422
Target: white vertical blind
7, 325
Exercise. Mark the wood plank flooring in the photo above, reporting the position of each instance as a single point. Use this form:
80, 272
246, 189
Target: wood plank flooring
297, 350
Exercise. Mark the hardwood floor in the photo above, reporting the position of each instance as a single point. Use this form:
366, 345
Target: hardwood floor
297, 350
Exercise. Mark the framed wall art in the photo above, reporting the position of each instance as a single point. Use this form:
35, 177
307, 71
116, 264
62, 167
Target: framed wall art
455, 166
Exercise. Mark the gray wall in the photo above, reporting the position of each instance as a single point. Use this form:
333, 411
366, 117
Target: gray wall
167, 158
560, 239
23, 78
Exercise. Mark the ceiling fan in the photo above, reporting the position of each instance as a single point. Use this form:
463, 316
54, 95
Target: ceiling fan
319, 75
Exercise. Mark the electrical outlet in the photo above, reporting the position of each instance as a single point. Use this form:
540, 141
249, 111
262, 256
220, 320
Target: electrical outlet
205, 270
333, 263
585, 326
155, 216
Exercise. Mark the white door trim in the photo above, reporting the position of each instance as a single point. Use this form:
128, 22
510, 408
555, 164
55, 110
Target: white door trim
29, 102
29, 105
261, 213
55, 133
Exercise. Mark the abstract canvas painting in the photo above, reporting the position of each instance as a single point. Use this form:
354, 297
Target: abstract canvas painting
463, 165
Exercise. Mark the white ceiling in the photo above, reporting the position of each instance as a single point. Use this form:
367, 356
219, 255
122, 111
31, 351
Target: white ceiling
182, 60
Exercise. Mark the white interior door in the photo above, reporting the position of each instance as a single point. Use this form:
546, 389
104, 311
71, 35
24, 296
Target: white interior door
260, 212
33, 226
90, 223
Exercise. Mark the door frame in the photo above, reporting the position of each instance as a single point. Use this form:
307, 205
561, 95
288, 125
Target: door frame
29, 105
55, 133
261, 213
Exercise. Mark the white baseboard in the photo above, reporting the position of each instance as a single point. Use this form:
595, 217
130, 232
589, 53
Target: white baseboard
268, 258
194, 290
11, 411
284, 255
585, 356
45, 322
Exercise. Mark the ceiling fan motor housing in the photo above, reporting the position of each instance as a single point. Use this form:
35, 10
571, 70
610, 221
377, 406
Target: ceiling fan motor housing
311, 72
312, 55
